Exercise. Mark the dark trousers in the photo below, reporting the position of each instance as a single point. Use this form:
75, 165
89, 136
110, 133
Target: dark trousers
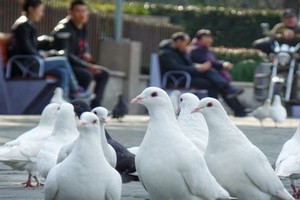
216, 85
216, 78
84, 77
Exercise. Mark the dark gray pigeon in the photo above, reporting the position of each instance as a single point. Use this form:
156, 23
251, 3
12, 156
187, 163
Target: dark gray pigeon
120, 109
125, 159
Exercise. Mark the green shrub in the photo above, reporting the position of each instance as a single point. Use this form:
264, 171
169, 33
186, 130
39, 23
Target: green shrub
231, 27
244, 70
244, 60
236, 55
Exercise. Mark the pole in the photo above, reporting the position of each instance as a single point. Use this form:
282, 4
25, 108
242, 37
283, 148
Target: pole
118, 25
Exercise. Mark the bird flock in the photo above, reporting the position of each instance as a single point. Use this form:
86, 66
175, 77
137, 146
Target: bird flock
199, 155
276, 111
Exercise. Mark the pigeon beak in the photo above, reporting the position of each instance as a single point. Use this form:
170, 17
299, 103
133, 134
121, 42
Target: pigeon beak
195, 110
82, 124
178, 110
137, 99
104, 120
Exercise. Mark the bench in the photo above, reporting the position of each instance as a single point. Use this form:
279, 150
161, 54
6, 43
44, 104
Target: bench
27, 94
172, 80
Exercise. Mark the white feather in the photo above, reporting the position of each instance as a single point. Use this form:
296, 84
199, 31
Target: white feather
85, 174
239, 166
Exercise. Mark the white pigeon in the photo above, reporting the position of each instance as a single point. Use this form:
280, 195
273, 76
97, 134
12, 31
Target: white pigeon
239, 166
262, 112
85, 174
133, 150
65, 151
58, 96
174, 96
192, 125
278, 112
21, 153
288, 162
108, 150
64, 132
169, 165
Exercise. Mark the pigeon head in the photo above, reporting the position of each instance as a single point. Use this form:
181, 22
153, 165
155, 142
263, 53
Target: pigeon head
58, 91
80, 107
101, 113
187, 102
65, 118
174, 96
268, 102
49, 114
120, 97
66, 111
154, 97
88, 120
176, 93
209, 105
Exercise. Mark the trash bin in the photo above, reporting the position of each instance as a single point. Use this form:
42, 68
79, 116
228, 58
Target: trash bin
261, 79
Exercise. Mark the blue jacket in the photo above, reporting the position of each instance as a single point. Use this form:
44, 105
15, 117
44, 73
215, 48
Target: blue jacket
200, 54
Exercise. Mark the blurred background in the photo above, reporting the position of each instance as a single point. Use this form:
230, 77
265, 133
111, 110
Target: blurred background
234, 23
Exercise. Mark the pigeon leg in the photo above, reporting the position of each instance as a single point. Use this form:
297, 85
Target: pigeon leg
296, 193
28, 182
38, 183
261, 123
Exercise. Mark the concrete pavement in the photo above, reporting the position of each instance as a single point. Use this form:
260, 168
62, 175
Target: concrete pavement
130, 132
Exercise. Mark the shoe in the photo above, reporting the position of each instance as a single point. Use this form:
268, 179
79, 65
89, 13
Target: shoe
84, 95
235, 92
242, 114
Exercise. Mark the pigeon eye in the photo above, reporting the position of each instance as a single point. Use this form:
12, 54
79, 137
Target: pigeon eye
181, 99
94, 121
209, 104
95, 112
154, 94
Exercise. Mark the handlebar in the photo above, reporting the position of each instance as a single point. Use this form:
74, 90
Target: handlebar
285, 47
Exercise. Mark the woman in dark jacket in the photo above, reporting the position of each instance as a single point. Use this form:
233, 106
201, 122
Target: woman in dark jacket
24, 42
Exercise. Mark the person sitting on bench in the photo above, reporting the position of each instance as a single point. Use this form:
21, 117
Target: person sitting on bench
173, 56
78, 52
24, 42
218, 74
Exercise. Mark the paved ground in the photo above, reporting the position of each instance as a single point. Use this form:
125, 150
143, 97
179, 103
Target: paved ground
130, 133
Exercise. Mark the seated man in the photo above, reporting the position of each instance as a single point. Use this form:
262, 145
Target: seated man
24, 42
173, 56
287, 31
218, 72
78, 50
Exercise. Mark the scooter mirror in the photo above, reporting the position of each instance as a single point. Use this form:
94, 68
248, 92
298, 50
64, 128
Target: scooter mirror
265, 27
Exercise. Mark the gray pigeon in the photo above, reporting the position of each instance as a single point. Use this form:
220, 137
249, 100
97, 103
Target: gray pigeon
120, 109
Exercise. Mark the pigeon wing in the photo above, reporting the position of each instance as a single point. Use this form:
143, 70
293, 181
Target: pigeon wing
200, 182
65, 151
51, 186
262, 175
289, 148
289, 167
